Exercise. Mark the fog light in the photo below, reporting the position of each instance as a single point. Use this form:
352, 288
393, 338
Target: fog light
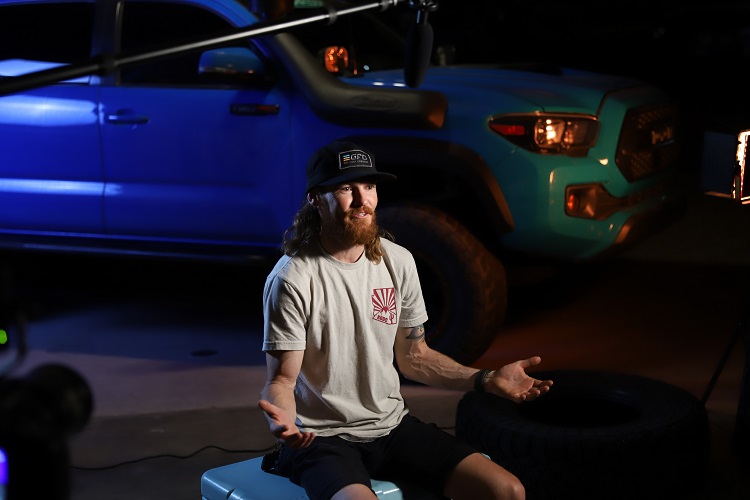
590, 201
572, 203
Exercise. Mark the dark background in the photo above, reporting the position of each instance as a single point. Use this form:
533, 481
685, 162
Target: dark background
171, 349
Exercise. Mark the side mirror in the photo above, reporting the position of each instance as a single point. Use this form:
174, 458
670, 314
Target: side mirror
271, 10
231, 65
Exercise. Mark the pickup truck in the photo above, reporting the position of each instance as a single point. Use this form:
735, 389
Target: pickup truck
203, 154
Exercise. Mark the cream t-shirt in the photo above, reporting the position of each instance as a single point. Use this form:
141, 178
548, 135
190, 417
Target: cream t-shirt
344, 316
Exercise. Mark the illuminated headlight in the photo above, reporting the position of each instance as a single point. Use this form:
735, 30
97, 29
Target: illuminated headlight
570, 135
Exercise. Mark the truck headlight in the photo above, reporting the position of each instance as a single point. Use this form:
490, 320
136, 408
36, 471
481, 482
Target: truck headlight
570, 135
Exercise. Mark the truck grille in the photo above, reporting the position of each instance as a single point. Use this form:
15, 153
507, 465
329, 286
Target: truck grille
648, 141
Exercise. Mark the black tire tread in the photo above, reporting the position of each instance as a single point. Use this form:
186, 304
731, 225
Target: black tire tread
659, 451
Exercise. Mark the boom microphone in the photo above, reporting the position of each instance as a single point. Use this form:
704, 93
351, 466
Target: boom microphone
418, 44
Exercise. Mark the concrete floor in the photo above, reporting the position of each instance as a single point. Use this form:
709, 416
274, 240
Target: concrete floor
175, 369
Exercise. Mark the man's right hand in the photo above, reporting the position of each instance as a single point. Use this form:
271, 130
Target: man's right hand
283, 426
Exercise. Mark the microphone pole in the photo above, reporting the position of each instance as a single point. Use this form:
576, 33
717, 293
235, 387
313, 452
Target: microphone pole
418, 43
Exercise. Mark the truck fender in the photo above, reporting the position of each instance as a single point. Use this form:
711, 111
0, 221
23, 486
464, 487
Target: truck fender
418, 160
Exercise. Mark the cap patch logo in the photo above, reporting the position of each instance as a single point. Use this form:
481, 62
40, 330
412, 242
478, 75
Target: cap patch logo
354, 158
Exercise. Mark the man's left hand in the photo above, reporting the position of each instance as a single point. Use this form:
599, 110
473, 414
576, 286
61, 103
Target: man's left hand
512, 382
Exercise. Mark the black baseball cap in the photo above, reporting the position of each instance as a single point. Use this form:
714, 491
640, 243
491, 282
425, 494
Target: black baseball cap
340, 162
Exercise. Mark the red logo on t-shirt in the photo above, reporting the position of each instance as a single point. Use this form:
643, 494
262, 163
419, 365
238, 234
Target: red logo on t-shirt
384, 305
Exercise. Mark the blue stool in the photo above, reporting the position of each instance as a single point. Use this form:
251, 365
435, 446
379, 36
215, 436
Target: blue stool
246, 481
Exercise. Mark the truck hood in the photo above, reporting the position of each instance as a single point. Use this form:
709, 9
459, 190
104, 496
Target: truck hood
532, 87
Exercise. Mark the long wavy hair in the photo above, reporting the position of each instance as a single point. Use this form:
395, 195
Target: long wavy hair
305, 229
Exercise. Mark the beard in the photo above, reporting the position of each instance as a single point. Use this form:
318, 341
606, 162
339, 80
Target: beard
358, 231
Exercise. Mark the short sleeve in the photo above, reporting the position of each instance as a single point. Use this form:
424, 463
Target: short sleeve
285, 316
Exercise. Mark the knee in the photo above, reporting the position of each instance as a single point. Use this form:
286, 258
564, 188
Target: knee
354, 491
479, 478
505, 487
513, 490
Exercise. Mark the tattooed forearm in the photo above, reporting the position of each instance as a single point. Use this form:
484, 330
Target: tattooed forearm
416, 333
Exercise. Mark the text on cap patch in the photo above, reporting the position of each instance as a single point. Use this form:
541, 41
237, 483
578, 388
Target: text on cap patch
354, 158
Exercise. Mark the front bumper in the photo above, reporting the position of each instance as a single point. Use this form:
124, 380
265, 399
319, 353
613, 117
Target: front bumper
631, 218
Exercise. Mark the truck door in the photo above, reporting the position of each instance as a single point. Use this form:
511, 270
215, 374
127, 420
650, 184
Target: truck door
191, 156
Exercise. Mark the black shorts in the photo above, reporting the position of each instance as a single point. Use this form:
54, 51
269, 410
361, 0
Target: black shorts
414, 454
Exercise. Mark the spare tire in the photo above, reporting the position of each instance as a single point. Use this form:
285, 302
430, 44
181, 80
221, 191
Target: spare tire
595, 435
463, 284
